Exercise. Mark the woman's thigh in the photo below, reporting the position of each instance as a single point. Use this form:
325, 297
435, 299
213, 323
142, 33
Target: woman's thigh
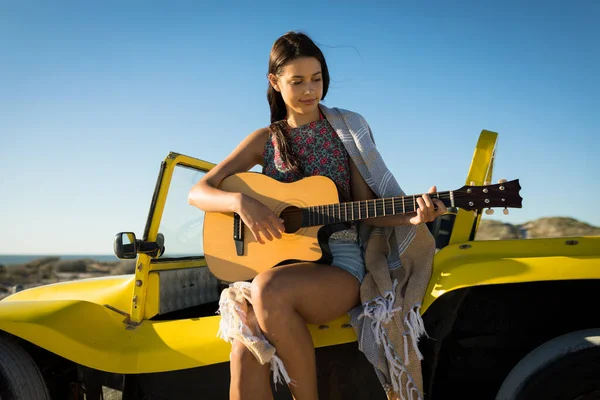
319, 293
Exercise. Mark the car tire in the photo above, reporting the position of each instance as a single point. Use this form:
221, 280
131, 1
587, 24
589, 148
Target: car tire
563, 368
20, 378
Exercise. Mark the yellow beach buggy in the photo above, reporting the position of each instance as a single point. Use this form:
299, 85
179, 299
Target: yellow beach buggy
506, 319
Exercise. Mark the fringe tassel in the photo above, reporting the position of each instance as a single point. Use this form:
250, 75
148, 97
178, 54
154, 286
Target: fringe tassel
381, 311
416, 329
279, 370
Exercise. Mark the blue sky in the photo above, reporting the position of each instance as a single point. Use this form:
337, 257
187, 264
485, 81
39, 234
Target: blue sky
94, 96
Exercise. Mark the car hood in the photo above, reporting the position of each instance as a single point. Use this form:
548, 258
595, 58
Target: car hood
115, 290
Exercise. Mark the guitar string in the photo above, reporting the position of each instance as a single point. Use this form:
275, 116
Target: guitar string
367, 205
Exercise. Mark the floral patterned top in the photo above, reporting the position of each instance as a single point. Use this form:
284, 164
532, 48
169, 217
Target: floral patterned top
319, 151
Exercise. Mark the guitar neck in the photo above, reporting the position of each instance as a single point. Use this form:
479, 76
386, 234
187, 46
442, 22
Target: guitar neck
366, 209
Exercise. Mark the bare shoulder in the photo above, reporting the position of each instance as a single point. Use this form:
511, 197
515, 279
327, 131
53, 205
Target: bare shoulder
259, 136
247, 154
255, 142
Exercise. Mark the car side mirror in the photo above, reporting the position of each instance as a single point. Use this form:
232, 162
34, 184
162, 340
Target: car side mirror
127, 247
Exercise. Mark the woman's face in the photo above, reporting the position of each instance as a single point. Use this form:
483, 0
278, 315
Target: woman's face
300, 85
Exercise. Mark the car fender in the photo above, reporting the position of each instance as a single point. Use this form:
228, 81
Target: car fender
77, 321
493, 262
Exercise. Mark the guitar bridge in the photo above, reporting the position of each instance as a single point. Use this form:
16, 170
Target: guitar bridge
238, 234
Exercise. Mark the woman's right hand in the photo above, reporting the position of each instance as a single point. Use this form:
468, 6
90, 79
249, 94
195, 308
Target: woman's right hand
261, 221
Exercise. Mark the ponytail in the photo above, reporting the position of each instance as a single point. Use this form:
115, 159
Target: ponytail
278, 124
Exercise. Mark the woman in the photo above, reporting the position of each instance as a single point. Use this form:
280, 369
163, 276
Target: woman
300, 142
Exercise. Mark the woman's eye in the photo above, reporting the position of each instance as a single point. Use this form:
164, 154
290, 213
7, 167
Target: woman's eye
296, 83
317, 79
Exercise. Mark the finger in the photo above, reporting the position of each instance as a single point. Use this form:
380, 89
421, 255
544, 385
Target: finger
420, 216
274, 230
422, 208
441, 206
428, 203
432, 189
256, 229
257, 237
278, 224
264, 230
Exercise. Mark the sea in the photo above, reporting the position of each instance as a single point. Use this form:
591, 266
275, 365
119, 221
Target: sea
14, 259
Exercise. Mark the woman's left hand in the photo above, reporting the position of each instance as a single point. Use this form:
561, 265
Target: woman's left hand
426, 211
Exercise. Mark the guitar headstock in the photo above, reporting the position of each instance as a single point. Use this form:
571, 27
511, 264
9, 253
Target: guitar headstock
503, 194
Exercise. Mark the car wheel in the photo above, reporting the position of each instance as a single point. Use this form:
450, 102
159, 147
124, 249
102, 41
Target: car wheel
20, 378
564, 368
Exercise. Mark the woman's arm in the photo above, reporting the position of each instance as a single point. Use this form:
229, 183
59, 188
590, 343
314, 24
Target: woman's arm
259, 218
245, 156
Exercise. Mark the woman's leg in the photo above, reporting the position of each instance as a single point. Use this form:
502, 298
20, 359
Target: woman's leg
286, 298
249, 379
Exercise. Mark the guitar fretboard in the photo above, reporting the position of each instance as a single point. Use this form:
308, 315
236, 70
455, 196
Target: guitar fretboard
364, 209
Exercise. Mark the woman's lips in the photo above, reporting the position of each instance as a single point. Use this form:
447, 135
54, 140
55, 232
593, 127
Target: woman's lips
308, 102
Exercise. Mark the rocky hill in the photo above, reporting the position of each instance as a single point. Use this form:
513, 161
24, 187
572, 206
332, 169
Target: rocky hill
541, 228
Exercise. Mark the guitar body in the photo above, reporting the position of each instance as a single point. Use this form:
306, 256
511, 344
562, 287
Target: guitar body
302, 244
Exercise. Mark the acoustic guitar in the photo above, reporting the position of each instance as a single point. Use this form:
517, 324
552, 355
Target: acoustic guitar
306, 207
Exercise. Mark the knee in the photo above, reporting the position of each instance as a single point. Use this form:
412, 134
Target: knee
270, 299
266, 292
240, 356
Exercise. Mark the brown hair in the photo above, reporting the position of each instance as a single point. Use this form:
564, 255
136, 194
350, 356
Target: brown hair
288, 47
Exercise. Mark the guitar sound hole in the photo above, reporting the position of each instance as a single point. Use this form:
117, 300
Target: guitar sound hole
292, 219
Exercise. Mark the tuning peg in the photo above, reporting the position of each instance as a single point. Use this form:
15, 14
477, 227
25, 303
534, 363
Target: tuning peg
486, 183
472, 183
505, 211
502, 180
489, 211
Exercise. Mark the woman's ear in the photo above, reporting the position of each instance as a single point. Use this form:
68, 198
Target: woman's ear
273, 81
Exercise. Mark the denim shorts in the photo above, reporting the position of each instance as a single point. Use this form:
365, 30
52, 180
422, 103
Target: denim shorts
348, 255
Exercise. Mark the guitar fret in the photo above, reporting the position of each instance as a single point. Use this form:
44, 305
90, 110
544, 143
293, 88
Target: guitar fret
393, 206
414, 203
403, 207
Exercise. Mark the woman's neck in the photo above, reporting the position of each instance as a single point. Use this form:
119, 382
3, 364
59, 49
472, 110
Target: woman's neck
295, 120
